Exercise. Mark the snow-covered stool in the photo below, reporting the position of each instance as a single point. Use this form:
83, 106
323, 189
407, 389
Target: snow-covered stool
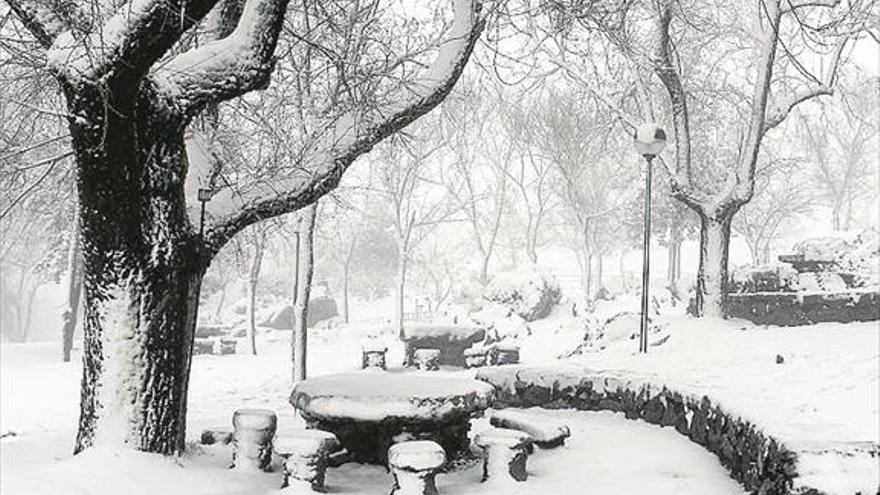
373, 355
305, 457
427, 359
476, 356
506, 353
545, 432
228, 346
211, 436
505, 453
414, 466
252, 438
203, 346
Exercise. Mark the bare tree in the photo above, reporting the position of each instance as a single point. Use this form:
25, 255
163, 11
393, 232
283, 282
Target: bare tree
302, 289
130, 94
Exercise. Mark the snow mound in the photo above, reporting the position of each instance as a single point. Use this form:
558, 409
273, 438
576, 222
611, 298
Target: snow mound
529, 292
418, 455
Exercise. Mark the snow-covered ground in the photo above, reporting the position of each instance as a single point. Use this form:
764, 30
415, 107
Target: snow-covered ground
824, 395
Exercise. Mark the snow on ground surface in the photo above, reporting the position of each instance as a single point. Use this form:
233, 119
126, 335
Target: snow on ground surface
825, 393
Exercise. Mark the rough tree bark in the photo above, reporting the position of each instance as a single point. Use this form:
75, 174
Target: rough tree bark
305, 263
143, 258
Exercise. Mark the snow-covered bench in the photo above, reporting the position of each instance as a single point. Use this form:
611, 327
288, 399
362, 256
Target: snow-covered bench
305, 457
414, 466
505, 453
545, 432
252, 438
451, 340
373, 354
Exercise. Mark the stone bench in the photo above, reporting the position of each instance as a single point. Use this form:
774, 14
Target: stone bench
210, 436
476, 356
373, 355
451, 340
414, 466
545, 432
505, 353
305, 455
505, 453
427, 359
252, 438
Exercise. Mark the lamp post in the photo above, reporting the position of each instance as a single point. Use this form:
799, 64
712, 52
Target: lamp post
205, 195
649, 142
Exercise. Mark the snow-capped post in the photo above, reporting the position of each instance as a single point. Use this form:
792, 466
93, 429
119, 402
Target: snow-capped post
129, 100
252, 437
204, 196
649, 142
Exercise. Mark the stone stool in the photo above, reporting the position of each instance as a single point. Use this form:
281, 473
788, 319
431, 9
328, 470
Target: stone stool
476, 356
228, 346
506, 353
203, 346
305, 457
427, 359
546, 433
252, 438
505, 453
414, 466
373, 355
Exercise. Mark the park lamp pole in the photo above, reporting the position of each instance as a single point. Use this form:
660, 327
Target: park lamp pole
205, 195
649, 142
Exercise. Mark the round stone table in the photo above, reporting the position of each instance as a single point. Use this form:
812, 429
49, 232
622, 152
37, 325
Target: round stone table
369, 412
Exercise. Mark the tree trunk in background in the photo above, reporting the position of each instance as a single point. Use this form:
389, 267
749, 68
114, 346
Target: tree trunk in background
252, 281
305, 267
74, 290
399, 294
622, 270
766, 253
346, 274
712, 275
599, 271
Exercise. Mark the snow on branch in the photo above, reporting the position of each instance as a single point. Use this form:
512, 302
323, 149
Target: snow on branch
792, 5
47, 19
129, 43
231, 66
339, 142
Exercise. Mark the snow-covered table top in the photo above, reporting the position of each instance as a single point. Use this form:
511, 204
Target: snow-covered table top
378, 396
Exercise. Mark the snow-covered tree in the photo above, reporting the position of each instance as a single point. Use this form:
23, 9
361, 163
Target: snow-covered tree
132, 82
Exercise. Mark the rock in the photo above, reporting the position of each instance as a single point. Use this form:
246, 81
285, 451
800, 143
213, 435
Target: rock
215, 435
414, 466
505, 453
320, 308
252, 438
228, 346
779, 359
545, 432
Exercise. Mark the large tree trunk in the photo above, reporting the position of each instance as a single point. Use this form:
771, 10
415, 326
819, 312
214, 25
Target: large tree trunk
305, 267
74, 290
253, 279
712, 275
143, 270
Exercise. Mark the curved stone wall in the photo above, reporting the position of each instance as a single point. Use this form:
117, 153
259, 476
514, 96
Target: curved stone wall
761, 463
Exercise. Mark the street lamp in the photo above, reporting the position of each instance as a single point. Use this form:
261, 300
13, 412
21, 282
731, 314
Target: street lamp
649, 141
205, 195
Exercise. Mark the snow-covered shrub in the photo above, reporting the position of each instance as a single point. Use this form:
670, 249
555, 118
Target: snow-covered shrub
529, 292
862, 262
501, 322
777, 277
822, 248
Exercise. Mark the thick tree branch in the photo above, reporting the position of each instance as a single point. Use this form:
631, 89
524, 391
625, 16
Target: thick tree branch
129, 43
47, 19
792, 5
341, 141
229, 67
664, 68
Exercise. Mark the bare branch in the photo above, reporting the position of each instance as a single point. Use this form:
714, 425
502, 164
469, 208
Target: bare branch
341, 141
792, 5
129, 43
229, 67
46, 19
